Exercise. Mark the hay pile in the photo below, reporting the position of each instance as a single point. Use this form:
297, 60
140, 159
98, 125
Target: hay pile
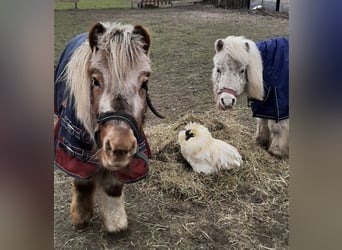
250, 203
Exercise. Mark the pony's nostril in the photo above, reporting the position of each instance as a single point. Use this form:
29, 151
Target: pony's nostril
233, 101
222, 101
107, 146
120, 152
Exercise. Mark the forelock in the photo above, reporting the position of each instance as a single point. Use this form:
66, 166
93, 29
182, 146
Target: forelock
124, 49
234, 46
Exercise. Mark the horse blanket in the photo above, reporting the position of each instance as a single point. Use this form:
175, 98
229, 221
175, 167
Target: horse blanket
275, 57
74, 147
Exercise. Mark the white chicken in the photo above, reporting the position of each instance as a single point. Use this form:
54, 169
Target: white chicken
204, 153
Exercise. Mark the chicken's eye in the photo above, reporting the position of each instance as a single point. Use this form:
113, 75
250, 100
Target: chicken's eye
188, 134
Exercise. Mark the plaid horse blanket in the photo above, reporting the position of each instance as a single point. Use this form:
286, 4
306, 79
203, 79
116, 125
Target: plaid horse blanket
275, 57
74, 147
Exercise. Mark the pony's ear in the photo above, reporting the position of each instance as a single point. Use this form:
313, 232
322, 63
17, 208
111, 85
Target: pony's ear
94, 34
219, 45
247, 46
142, 31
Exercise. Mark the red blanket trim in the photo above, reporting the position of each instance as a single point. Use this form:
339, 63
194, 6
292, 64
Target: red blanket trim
135, 171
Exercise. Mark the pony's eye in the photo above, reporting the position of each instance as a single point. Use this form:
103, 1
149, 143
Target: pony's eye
242, 71
218, 71
95, 82
144, 84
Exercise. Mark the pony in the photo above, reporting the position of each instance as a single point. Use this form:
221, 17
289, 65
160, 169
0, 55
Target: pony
101, 98
261, 71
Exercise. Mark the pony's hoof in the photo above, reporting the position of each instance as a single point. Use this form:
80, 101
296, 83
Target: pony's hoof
111, 229
122, 233
277, 152
80, 221
262, 141
81, 226
119, 225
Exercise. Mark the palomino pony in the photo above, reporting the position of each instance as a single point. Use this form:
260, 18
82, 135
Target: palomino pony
101, 99
261, 70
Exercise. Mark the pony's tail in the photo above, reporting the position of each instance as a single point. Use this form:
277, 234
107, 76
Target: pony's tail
254, 86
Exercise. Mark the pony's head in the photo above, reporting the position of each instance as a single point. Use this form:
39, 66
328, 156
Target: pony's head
108, 77
237, 69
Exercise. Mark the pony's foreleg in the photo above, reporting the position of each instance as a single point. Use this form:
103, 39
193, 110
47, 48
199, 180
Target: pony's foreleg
279, 132
82, 203
263, 132
113, 205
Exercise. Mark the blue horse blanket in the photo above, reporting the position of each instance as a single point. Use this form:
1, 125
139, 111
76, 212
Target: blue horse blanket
74, 147
275, 57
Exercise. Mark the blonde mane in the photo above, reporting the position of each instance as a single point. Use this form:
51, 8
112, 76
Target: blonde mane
77, 79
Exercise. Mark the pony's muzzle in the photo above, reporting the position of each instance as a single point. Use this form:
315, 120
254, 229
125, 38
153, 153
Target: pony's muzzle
118, 145
226, 101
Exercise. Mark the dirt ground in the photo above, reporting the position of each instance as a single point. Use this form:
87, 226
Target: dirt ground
174, 208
